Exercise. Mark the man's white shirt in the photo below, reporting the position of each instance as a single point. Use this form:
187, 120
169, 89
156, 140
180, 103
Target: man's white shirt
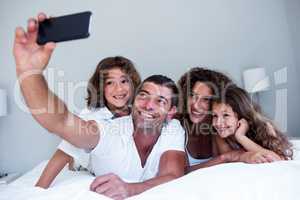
80, 156
116, 151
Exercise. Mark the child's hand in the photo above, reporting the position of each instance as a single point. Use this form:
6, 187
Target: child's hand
243, 128
254, 158
259, 157
271, 155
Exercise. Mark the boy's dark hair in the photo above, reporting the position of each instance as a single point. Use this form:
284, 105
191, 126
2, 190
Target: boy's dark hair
166, 82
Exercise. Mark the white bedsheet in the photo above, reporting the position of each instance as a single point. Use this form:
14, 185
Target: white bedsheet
68, 185
240, 181
274, 181
279, 180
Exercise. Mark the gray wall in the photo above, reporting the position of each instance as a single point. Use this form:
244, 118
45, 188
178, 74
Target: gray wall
165, 37
293, 16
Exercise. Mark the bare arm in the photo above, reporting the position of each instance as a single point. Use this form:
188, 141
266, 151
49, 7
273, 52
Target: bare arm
172, 164
221, 145
230, 156
54, 115
54, 166
31, 59
248, 144
214, 161
226, 154
241, 138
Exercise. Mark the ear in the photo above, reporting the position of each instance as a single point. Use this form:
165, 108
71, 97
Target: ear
171, 113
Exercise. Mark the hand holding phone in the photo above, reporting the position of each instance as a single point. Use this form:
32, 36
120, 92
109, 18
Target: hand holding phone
64, 28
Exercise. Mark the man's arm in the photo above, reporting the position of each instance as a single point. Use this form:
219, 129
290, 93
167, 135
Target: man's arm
172, 164
53, 114
31, 59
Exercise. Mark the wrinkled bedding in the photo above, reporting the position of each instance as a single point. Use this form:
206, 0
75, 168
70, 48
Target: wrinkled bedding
278, 180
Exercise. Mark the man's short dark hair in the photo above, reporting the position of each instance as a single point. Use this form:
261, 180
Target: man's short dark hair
166, 82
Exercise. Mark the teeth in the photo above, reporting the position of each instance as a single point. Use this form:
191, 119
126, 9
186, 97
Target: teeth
120, 96
197, 113
147, 115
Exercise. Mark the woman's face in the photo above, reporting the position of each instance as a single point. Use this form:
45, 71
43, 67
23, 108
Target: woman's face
117, 89
225, 120
199, 102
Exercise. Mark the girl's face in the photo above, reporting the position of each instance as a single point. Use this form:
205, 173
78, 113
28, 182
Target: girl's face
199, 102
225, 121
117, 89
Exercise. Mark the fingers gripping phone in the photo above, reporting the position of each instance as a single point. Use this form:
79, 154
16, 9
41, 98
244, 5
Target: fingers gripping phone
64, 28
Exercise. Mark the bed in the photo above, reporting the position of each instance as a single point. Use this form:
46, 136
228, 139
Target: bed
278, 180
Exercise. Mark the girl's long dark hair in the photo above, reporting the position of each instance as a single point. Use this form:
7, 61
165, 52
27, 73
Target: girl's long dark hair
95, 90
261, 129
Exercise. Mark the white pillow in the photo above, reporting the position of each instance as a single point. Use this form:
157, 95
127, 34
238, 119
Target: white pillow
276, 181
296, 147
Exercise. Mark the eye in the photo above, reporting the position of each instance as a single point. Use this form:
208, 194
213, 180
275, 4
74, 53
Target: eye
206, 100
214, 116
108, 83
124, 81
161, 102
142, 95
194, 97
226, 115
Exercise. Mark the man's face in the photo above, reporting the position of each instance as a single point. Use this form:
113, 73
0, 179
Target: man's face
151, 106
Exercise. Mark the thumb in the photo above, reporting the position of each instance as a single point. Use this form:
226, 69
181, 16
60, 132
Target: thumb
49, 47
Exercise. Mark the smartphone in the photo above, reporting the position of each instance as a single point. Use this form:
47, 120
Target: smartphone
64, 28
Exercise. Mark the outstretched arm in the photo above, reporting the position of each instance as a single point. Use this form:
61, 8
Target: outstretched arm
54, 166
51, 112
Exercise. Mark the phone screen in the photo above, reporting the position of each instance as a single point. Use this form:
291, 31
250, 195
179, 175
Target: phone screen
64, 28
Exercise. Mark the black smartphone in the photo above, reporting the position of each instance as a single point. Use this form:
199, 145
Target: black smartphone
64, 28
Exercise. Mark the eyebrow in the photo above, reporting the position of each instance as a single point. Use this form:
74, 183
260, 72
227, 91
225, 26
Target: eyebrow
110, 77
202, 96
145, 91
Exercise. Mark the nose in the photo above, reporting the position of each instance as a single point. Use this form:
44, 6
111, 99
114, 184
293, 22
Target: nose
119, 87
149, 105
218, 122
199, 104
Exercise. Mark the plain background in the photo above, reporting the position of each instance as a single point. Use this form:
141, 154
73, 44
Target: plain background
161, 37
